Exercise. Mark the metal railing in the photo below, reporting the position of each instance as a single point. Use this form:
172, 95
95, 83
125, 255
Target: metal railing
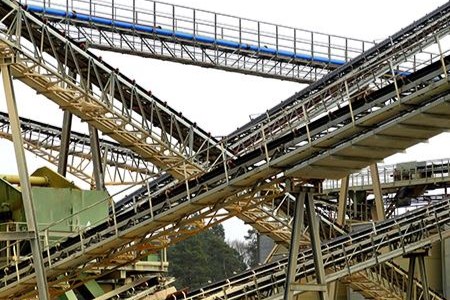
396, 175
237, 44
344, 255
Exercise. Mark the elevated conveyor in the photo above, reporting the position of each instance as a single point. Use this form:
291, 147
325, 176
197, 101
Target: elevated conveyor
105, 98
361, 76
321, 148
147, 220
347, 254
122, 165
192, 36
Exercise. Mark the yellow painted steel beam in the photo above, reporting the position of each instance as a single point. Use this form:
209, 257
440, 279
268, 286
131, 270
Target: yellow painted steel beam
34, 180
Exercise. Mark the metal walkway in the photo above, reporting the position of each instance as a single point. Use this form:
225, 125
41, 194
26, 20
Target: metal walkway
105, 98
121, 165
192, 36
347, 254
395, 176
320, 147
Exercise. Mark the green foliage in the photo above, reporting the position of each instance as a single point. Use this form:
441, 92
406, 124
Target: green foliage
203, 258
251, 247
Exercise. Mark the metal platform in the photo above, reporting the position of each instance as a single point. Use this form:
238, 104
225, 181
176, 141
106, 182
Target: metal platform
392, 177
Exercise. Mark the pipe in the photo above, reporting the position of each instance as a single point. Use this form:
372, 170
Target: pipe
34, 180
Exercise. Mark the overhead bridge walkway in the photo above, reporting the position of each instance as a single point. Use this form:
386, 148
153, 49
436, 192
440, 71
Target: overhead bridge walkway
356, 132
191, 36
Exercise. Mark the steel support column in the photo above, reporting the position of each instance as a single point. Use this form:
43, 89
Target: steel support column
420, 256
342, 204
65, 140
340, 220
299, 215
379, 204
25, 186
97, 159
411, 269
315, 245
305, 200
424, 277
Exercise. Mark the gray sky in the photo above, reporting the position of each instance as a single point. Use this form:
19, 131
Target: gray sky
219, 101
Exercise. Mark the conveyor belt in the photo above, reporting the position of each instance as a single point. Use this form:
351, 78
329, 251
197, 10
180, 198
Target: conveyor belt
344, 255
345, 81
249, 134
116, 104
202, 38
208, 193
324, 148
122, 166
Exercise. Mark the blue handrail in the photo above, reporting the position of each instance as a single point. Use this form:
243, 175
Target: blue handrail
180, 35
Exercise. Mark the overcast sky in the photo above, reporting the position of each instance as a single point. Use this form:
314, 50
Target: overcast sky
219, 101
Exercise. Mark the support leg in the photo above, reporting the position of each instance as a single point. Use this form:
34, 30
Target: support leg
97, 160
411, 269
315, 245
379, 204
65, 140
30, 213
299, 213
342, 207
423, 277
342, 204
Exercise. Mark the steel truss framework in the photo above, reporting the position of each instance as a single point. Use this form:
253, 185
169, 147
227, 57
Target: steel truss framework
191, 36
169, 214
361, 253
122, 166
105, 98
